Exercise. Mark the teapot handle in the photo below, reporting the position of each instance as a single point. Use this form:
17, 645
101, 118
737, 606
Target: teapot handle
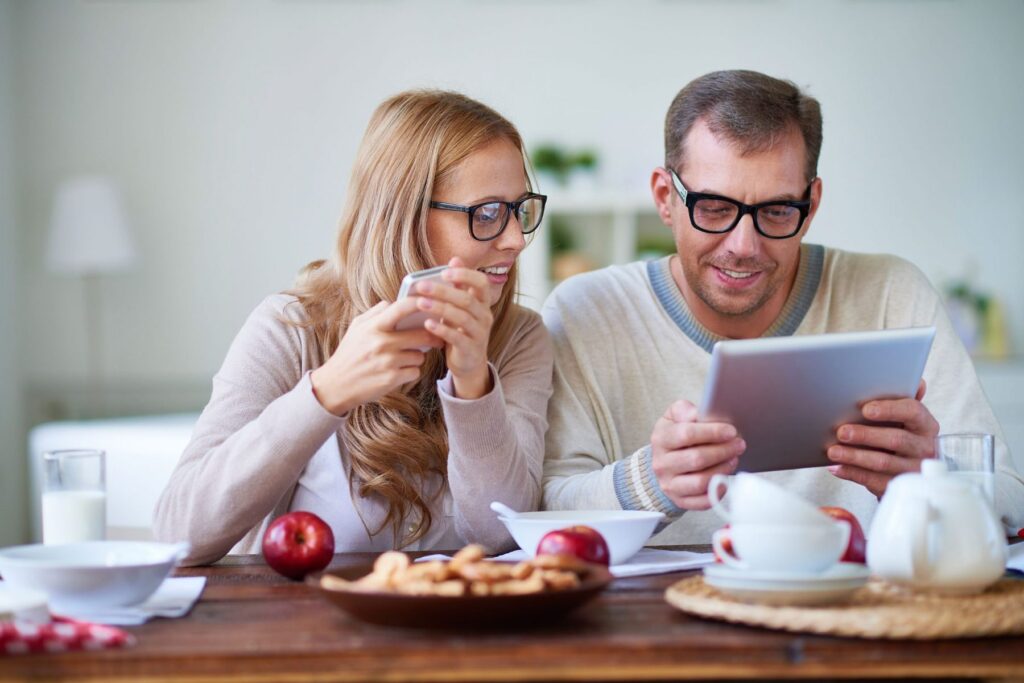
920, 521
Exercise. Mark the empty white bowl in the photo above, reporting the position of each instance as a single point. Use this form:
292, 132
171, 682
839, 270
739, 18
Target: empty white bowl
625, 531
79, 577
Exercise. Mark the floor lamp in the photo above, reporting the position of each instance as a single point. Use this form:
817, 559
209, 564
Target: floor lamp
89, 237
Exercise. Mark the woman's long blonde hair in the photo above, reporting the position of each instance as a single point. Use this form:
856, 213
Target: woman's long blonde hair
413, 143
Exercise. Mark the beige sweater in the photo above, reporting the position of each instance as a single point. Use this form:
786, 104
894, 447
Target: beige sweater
264, 445
626, 346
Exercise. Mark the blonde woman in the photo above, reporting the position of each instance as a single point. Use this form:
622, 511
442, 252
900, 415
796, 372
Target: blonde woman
398, 439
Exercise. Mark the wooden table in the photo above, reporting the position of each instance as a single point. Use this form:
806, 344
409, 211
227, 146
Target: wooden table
252, 625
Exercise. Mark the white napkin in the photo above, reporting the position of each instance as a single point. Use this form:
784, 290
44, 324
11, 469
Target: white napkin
647, 561
1016, 560
174, 598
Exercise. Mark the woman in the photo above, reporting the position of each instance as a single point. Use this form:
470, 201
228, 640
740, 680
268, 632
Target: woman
398, 439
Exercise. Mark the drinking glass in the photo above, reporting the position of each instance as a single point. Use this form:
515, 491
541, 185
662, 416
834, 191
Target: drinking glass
972, 457
74, 499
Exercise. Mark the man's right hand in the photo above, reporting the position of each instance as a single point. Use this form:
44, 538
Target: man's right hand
687, 453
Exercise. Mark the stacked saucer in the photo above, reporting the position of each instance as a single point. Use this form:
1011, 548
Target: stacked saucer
835, 584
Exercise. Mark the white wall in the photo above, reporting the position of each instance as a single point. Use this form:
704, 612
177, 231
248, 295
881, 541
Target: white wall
13, 526
232, 124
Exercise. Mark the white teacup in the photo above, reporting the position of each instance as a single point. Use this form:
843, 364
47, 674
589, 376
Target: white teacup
755, 500
790, 548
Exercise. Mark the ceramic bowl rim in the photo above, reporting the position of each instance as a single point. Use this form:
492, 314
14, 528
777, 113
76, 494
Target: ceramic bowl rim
12, 558
573, 516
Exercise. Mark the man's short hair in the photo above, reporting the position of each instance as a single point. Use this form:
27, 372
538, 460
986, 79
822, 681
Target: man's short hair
746, 107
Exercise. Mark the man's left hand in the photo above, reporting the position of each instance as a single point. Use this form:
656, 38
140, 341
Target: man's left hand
871, 455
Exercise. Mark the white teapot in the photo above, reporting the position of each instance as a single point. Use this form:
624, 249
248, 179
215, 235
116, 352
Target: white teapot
933, 531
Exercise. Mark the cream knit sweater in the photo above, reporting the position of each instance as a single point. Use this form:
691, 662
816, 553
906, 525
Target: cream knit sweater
264, 445
626, 346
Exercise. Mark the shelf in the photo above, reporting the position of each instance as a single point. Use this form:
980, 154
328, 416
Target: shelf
605, 225
599, 202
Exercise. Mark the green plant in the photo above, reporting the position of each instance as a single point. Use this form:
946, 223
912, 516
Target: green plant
960, 290
585, 159
655, 246
552, 159
560, 163
560, 235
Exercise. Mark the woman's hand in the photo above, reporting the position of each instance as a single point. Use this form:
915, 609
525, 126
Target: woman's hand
372, 358
461, 317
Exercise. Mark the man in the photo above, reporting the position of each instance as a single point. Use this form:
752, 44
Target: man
739, 190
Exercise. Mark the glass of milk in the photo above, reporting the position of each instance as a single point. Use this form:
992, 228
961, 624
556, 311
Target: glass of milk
74, 496
971, 457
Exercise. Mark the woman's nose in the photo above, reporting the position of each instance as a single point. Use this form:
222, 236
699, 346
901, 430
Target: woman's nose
512, 236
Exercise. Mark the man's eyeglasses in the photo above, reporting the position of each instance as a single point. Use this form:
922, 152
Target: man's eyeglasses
716, 214
487, 220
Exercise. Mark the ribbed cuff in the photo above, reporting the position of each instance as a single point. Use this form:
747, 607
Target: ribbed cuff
446, 386
636, 485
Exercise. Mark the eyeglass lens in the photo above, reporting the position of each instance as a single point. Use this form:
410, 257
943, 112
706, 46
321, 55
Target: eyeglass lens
489, 219
716, 215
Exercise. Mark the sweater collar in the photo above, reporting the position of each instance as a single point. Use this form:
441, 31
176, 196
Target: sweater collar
808, 276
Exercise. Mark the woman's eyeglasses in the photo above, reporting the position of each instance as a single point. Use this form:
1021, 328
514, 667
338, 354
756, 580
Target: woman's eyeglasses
487, 220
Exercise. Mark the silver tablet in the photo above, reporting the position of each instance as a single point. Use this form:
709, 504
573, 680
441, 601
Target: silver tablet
787, 395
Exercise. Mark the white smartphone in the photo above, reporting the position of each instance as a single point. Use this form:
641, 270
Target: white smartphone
416, 318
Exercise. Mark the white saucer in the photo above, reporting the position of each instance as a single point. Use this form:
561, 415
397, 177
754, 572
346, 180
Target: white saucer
835, 584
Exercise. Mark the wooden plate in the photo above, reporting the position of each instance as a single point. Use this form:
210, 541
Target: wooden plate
432, 611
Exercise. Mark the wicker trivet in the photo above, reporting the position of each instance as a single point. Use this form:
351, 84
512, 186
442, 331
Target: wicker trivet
878, 610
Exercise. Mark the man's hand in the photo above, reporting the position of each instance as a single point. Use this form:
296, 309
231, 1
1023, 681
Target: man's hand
872, 455
686, 454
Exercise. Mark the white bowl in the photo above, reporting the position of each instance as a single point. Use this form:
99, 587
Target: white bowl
79, 577
625, 531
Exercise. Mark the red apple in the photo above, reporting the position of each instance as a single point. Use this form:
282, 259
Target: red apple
298, 543
581, 542
858, 543
726, 545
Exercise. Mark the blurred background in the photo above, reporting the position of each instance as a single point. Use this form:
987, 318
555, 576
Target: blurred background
165, 164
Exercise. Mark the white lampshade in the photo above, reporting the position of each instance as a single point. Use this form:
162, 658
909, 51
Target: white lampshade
88, 230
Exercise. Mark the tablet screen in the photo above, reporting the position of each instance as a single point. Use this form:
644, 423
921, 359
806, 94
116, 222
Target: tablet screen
787, 395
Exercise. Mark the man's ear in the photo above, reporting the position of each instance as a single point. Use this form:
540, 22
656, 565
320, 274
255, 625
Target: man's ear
662, 191
815, 203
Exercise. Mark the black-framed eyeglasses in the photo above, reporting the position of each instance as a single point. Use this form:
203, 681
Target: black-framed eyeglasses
716, 214
487, 220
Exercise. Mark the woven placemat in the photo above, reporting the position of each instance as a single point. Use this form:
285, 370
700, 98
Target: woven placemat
877, 610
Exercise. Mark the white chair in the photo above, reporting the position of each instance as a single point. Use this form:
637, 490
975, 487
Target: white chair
141, 453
